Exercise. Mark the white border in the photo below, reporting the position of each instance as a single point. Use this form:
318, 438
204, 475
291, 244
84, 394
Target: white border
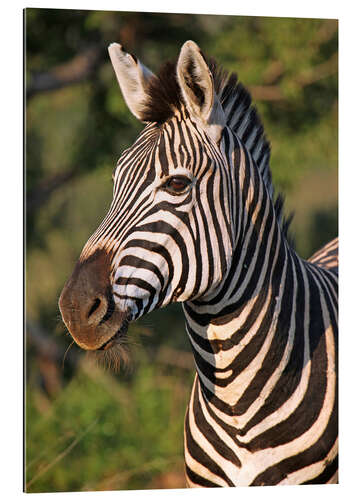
11, 210
273, 8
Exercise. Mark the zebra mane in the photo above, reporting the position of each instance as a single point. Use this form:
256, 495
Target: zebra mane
164, 98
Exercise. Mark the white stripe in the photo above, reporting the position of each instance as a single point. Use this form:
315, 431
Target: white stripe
311, 471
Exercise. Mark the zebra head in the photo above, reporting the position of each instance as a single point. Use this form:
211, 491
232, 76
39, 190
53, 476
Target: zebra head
169, 232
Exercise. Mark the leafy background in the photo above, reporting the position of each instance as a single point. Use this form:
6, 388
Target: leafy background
88, 428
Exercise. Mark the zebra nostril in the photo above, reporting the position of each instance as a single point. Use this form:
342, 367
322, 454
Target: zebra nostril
94, 307
101, 310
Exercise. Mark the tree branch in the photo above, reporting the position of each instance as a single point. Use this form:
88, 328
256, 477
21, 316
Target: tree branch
40, 194
46, 345
73, 71
266, 93
180, 359
274, 93
319, 72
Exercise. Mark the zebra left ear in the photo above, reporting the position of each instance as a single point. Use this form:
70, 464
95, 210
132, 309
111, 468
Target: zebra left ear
196, 83
133, 78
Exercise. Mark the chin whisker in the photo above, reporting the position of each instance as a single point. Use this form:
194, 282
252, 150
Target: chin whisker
114, 359
65, 354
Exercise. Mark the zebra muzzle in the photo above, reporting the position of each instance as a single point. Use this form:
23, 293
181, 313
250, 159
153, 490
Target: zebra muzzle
88, 308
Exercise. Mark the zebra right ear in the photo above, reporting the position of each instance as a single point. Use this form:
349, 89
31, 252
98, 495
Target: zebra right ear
133, 78
196, 82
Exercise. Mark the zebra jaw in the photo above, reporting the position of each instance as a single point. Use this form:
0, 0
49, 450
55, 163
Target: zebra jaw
116, 338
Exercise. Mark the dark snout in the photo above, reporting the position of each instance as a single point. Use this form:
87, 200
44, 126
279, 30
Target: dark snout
87, 305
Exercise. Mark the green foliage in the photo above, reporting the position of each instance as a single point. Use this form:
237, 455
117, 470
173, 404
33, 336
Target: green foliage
87, 429
100, 425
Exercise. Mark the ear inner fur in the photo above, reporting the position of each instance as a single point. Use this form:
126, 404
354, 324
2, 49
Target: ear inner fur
196, 84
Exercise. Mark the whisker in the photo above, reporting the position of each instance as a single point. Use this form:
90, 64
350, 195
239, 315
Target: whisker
115, 359
65, 354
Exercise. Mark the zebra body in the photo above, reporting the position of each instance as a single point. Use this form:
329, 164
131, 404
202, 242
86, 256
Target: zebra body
193, 219
263, 408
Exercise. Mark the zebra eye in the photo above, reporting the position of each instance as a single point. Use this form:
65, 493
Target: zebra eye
177, 184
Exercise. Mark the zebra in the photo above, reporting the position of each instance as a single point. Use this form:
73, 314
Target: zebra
195, 219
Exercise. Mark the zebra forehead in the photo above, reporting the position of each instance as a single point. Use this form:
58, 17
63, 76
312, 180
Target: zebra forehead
177, 143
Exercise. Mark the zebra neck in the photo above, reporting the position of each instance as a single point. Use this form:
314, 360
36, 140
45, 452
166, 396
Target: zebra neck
239, 331
240, 343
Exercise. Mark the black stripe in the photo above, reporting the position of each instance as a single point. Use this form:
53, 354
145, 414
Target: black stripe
309, 409
327, 474
196, 452
196, 479
209, 432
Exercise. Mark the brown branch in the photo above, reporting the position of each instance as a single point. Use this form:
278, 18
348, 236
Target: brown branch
326, 32
46, 345
321, 71
40, 194
173, 357
73, 71
266, 93
274, 93
273, 72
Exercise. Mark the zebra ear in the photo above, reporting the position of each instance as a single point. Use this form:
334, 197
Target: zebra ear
132, 76
196, 83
